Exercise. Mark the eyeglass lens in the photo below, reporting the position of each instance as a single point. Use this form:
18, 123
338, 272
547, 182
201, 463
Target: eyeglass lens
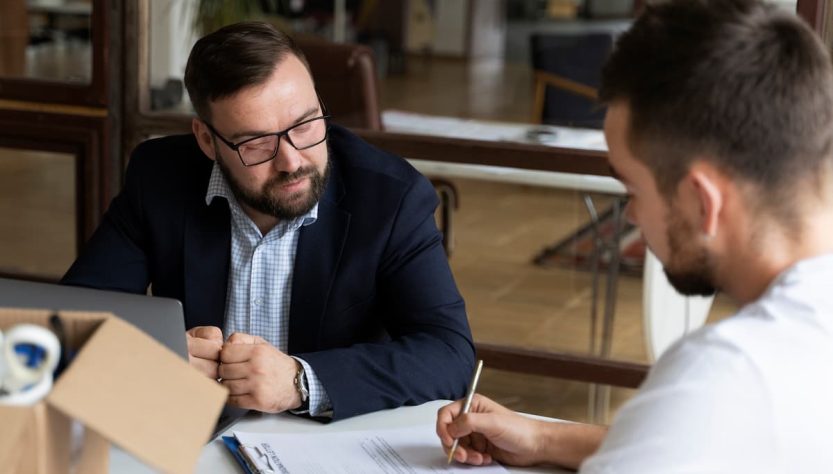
302, 136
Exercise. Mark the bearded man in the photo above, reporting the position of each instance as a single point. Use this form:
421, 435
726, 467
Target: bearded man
308, 262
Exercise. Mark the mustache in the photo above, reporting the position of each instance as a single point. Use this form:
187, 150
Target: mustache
283, 177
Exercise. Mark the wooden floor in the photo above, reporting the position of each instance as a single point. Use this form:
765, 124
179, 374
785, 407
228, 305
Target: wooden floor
499, 228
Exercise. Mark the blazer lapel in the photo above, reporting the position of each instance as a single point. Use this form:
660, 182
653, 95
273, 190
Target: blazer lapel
316, 262
206, 263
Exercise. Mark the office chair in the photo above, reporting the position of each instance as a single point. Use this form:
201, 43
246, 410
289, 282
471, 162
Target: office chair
345, 77
567, 75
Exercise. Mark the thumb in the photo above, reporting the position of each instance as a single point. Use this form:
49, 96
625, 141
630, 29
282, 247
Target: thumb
207, 332
243, 338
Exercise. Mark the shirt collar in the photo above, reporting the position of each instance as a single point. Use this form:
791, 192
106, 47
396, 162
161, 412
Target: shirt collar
218, 187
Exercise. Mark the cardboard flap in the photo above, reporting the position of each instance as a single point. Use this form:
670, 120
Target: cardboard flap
15, 421
140, 396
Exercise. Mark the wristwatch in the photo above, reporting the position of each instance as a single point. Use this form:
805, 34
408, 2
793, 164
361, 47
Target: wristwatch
300, 382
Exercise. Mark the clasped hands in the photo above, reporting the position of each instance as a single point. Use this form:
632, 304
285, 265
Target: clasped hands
257, 374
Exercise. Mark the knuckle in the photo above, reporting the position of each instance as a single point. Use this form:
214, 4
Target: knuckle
258, 366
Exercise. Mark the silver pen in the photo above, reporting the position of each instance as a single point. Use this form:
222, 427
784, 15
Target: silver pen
467, 404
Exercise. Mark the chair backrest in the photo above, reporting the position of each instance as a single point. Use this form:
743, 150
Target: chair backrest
345, 77
567, 66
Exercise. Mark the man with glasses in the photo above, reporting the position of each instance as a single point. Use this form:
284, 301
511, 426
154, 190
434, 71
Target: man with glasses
308, 262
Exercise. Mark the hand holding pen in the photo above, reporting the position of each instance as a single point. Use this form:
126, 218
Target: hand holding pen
478, 431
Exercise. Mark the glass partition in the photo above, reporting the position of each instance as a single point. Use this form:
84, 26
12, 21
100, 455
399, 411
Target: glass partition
38, 231
47, 40
426, 61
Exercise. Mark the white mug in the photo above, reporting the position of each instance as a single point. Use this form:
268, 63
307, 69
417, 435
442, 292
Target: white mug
19, 384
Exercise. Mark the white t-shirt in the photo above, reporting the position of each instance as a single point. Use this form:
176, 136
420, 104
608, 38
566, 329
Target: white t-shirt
751, 394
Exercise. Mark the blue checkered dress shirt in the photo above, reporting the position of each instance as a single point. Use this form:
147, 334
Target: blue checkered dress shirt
260, 280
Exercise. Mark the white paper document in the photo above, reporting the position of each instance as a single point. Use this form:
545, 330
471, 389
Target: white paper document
414, 450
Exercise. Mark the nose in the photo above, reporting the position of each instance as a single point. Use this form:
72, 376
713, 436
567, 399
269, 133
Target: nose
288, 159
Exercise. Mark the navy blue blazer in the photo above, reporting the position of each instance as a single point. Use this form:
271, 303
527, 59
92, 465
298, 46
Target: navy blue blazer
374, 310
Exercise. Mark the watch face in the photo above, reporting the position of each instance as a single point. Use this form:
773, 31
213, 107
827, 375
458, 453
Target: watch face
301, 384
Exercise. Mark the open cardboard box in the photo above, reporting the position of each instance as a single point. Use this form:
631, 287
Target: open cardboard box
125, 388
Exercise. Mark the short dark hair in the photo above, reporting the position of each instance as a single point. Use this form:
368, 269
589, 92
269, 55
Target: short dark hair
743, 83
233, 58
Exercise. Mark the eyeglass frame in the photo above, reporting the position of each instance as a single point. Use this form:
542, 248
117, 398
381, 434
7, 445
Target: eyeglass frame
283, 133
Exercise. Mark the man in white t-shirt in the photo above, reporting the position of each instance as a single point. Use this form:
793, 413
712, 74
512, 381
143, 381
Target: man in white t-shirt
720, 125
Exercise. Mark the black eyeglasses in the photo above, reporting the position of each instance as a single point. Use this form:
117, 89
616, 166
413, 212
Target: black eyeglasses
262, 148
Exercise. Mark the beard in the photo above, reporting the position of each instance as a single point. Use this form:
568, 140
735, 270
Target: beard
268, 201
689, 270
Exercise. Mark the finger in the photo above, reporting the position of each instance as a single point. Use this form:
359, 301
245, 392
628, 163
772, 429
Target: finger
459, 427
467, 423
207, 367
445, 415
463, 443
483, 404
450, 411
242, 401
466, 455
235, 353
234, 371
204, 348
243, 338
487, 457
474, 457
478, 442
238, 387
212, 333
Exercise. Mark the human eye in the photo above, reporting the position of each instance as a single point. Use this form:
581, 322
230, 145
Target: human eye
302, 128
258, 142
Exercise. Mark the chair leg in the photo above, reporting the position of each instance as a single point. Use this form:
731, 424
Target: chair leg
449, 201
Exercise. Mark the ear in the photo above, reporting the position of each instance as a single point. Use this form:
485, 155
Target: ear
709, 195
204, 137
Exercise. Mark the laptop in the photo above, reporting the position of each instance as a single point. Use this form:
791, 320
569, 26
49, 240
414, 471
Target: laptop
161, 318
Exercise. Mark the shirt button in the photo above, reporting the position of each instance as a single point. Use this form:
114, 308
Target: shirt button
258, 301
